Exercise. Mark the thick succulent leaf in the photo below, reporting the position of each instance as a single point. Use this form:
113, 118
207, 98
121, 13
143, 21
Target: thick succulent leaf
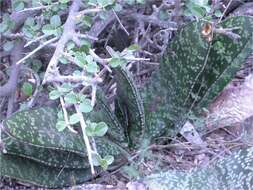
47, 156
193, 72
226, 57
102, 112
35, 173
129, 99
32, 136
37, 127
157, 118
232, 172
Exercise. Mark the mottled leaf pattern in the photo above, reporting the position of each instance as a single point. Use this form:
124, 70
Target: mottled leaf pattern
232, 172
193, 72
39, 174
37, 127
47, 156
157, 113
129, 98
102, 112
31, 137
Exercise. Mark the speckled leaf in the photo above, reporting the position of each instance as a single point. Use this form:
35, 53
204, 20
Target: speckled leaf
32, 136
158, 120
232, 172
37, 127
193, 72
103, 113
35, 173
226, 61
129, 98
47, 156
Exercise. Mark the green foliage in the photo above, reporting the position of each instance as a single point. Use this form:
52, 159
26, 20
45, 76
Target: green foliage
192, 73
96, 129
34, 145
31, 28
129, 99
8, 45
18, 5
198, 8
103, 162
27, 89
6, 24
221, 175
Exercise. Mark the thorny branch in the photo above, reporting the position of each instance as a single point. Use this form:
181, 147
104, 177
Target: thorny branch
68, 31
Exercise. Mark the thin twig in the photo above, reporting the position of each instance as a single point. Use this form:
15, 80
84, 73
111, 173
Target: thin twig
100, 74
65, 114
86, 36
36, 40
103, 62
37, 8
120, 23
75, 79
88, 11
224, 12
93, 94
37, 49
86, 139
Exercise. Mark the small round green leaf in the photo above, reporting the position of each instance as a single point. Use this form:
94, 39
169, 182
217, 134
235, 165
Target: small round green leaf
109, 159
71, 98
64, 1
61, 125
115, 62
74, 119
27, 89
8, 45
103, 163
54, 94
100, 129
55, 21
18, 5
92, 67
63, 60
48, 29
96, 159
85, 106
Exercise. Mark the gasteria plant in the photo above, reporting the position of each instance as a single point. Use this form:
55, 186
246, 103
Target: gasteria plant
200, 61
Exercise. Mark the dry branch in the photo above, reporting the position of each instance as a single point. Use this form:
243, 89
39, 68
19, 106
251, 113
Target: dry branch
68, 31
